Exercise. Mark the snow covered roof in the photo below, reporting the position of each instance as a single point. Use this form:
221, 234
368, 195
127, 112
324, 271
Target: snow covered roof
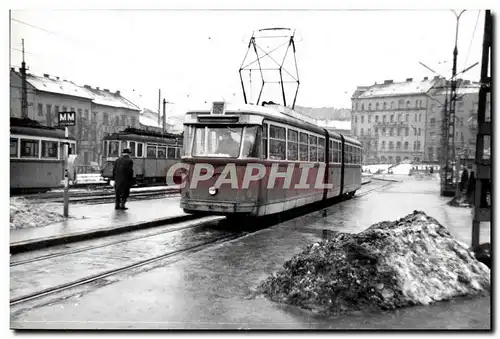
336, 124
47, 83
390, 88
107, 98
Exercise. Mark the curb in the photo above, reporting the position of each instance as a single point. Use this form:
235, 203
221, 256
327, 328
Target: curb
366, 182
383, 179
31, 245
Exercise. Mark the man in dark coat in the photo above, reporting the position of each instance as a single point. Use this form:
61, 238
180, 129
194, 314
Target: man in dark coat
123, 174
464, 179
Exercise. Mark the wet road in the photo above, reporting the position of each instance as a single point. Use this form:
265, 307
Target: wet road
215, 288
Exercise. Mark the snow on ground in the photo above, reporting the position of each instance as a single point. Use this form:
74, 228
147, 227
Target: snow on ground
410, 261
24, 214
402, 169
374, 168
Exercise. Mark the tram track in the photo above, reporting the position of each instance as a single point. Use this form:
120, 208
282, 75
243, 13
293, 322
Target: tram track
121, 250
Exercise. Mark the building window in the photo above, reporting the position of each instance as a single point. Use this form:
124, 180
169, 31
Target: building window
383, 144
392, 104
391, 145
124, 122
370, 106
384, 119
105, 119
407, 131
29, 148
40, 110
356, 119
132, 121
56, 111
376, 130
376, 106
419, 132
415, 117
398, 145
392, 117
390, 131
420, 117
383, 131
362, 107
408, 104
433, 121
433, 135
407, 118
117, 123
361, 132
376, 119
369, 119
406, 145
48, 107
369, 131
362, 119
399, 131
385, 105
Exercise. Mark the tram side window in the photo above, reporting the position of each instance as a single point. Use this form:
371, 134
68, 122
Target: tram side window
277, 143
132, 148
321, 149
171, 153
177, 152
264, 140
303, 147
162, 152
13, 148
140, 150
331, 151
124, 145
49, 149
313, 151
293, 146
151, 151
29, 148
113, 147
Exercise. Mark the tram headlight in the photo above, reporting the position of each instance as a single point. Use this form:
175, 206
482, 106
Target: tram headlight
212, 191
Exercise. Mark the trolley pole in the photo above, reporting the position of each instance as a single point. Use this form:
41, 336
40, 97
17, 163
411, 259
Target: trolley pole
66, 174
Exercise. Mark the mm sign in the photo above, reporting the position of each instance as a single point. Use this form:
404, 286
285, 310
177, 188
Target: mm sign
67, 119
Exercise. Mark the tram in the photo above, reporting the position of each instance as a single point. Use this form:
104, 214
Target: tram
36, 156
153, 154
293, 154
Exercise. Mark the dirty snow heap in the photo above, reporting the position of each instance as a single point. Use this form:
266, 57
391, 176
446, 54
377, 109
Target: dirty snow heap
24, 214
411, 261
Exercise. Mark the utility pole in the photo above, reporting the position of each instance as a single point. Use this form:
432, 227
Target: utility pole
482, 208
24, 91
159, 105
164, 115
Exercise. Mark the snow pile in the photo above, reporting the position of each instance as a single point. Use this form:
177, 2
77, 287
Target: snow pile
402, 169
410, 261
24, 214
375, 168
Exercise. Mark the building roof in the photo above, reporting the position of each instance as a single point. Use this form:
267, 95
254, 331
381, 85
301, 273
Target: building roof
391, 88
56, 85
105, 97
46, 83
335, 124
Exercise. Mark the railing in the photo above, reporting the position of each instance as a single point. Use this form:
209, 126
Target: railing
393, 123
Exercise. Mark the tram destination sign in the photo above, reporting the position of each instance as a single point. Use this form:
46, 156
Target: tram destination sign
67, 119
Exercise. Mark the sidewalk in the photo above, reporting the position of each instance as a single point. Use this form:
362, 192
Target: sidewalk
89, 221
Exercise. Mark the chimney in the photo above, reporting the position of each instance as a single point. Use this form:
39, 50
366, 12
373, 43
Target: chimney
106, 90
46, 76
388, 82
426, 78
57, 78
117, 93
87, 86
436, 77
409, 79
97, 88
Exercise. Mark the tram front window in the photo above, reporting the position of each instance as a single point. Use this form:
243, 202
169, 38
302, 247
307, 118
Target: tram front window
217, 141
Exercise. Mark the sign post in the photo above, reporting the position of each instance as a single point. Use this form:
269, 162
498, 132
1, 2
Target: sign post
66, 119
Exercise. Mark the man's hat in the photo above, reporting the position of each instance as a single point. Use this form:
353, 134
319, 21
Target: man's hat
126, 151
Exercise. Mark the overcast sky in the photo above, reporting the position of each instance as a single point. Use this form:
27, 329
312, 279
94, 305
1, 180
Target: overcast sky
199, 52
